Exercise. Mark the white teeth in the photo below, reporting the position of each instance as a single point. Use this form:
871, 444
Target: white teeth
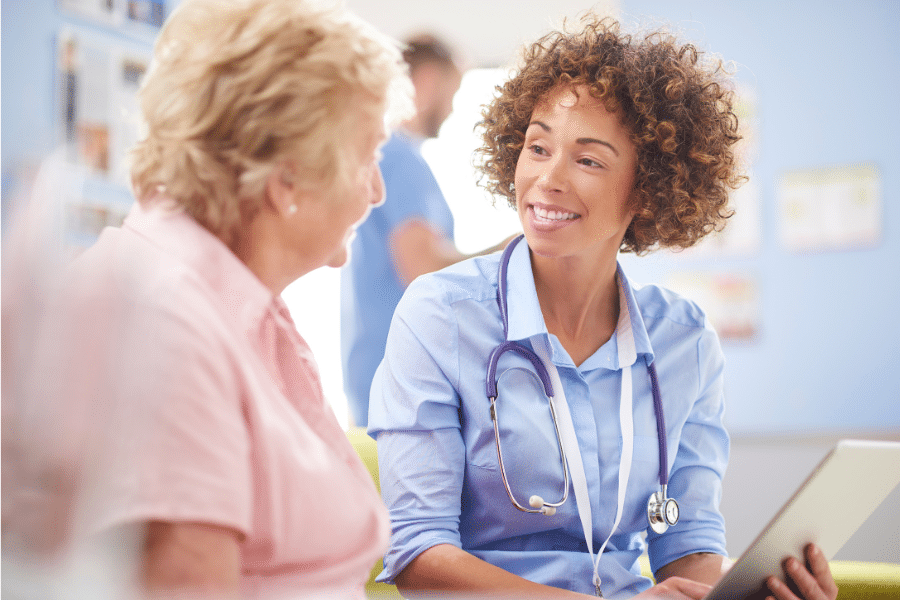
553, 215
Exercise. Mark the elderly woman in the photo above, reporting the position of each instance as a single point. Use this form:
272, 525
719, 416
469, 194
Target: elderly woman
204, 425
602, 143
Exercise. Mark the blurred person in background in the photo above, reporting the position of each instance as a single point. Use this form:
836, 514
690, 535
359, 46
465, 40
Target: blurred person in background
172, 408
410, 235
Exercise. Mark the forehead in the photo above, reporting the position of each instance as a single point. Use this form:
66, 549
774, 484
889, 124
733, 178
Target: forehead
567, 99
368, 127
573, 109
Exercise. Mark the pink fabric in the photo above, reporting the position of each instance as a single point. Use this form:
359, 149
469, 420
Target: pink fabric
211, 410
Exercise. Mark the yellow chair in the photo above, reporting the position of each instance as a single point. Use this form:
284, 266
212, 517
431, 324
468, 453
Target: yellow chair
368, 452
856, 580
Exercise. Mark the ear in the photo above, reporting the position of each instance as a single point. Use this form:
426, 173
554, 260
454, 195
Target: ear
281, 190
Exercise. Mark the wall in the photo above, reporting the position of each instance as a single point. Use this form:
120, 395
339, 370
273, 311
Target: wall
825, 356
489, 34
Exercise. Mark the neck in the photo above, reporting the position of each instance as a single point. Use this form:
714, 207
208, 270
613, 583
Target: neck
413, 128
260, 247
579, 301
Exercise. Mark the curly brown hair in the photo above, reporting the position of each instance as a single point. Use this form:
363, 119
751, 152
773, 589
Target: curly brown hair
676, 103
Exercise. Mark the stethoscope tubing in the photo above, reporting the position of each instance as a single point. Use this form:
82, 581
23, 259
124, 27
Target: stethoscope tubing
562, 454
512, 346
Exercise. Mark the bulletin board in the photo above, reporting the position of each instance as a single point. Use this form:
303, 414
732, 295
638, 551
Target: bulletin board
98, 79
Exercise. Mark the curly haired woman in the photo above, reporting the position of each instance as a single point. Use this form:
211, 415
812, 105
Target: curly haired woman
509, 376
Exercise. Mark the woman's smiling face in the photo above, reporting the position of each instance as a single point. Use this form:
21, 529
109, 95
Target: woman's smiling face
575, 176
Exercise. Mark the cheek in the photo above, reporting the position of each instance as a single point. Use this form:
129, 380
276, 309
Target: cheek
520, 179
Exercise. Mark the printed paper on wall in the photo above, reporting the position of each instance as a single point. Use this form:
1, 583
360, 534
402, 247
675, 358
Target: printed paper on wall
830, 209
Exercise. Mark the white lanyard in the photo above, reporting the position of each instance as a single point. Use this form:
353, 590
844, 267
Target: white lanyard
627, 358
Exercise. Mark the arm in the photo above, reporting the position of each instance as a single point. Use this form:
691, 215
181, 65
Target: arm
448, 568
417, 248
703, 566
199, 559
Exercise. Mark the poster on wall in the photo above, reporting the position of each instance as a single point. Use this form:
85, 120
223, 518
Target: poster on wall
838, 208
105, 11
730, 299
129, 70
84, 74
140, 14
149, 12
98, 109
98, 80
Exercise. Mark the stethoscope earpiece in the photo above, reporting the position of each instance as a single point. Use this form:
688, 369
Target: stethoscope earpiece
538, 502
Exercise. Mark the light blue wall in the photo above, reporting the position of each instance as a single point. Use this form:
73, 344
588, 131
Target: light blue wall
827, 77
28, 34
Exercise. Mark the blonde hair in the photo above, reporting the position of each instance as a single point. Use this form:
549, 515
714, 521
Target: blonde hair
238, 86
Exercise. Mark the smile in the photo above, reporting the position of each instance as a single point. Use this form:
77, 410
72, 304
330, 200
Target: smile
553, 215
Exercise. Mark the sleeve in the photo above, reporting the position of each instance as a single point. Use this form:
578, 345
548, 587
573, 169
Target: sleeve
411, 192
415, 420
695, 479
167, 439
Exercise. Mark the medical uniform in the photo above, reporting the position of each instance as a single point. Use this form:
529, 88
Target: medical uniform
438, 461
205, 405
370, 288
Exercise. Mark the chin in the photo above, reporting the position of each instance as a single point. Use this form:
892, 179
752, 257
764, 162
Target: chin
544, 245
339, 259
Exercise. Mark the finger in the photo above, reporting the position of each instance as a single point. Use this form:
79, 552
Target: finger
807, 584
780, 590
821, 570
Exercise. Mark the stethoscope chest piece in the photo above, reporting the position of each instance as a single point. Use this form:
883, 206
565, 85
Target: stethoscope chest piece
662, 512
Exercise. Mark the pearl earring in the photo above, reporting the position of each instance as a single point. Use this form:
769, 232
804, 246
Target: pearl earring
292, 209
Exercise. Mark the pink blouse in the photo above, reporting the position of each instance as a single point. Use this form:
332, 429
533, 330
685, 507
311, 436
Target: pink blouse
210, 409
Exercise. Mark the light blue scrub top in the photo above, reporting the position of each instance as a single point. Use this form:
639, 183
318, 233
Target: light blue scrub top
370, 288
438, 463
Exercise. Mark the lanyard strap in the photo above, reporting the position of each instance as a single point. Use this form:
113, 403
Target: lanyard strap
569, 439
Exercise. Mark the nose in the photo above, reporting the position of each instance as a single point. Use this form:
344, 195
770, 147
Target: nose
553, 176
378, 194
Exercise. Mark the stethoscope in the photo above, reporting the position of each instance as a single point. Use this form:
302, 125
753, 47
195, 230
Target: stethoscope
662, 511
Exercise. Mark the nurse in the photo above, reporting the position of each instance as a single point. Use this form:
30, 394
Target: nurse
602, 142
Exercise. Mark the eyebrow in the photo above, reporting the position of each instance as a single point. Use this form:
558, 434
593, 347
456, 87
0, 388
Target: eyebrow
581, 140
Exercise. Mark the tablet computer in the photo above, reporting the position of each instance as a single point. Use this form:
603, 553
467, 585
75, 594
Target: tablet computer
834, 501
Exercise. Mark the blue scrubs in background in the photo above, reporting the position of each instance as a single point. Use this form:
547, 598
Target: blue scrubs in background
370, 289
